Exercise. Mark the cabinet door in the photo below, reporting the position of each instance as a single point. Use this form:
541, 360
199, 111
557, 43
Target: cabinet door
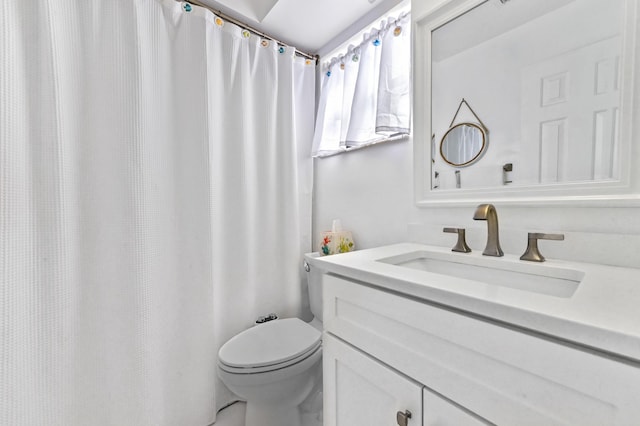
439, 411
358, 390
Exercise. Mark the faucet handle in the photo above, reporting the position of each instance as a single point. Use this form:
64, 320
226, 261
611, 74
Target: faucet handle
532, 253
461, 245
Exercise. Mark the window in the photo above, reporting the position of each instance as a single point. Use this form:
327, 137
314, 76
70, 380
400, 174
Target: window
365, 95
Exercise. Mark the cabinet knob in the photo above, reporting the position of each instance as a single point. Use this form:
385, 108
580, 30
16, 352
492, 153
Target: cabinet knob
403, 418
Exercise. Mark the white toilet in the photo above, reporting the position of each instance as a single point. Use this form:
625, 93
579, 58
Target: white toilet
275, 366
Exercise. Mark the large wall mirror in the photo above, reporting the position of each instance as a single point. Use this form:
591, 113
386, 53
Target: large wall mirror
556, 83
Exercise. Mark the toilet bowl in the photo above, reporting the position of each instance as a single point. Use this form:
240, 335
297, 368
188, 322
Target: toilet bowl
277, 365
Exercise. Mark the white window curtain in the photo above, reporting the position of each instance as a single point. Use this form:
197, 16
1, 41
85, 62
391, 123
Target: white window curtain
155, 190
365, 93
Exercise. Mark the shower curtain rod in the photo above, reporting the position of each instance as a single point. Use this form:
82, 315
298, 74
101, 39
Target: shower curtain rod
249, 28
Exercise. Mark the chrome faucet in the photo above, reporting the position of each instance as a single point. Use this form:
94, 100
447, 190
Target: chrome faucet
488, 212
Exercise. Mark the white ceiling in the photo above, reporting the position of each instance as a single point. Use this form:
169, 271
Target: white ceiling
311, 26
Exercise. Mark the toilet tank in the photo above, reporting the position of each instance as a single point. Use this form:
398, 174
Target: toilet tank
314, 283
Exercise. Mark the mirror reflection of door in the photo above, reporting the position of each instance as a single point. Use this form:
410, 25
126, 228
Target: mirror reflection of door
570, 107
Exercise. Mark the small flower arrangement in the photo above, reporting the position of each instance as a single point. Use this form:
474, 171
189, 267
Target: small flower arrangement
336, 242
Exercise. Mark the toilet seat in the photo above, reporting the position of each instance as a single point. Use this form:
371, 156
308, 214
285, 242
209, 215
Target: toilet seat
270, 346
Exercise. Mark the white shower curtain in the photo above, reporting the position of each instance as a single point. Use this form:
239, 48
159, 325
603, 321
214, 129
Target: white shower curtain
154, 199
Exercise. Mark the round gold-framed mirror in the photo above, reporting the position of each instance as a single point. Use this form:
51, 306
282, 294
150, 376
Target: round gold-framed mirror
463, 144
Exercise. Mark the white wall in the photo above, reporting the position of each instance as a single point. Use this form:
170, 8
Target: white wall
371, 191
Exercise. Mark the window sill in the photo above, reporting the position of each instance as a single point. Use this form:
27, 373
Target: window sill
393, 138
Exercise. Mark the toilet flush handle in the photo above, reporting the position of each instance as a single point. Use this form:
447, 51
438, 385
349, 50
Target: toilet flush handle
306, 266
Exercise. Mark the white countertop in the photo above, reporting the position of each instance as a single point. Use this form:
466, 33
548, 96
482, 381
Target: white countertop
603, 313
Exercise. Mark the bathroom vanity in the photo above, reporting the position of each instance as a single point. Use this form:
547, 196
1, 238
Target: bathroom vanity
418, 335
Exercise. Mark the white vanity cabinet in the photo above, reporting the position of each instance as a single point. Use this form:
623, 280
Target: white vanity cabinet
439, 411
386, 352
362, 391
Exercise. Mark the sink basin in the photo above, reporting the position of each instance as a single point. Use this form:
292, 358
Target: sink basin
535, 278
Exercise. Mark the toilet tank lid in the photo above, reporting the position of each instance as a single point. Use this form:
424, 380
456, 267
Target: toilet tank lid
270, 343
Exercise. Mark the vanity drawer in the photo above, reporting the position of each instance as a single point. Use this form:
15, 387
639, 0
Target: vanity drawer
506, 376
